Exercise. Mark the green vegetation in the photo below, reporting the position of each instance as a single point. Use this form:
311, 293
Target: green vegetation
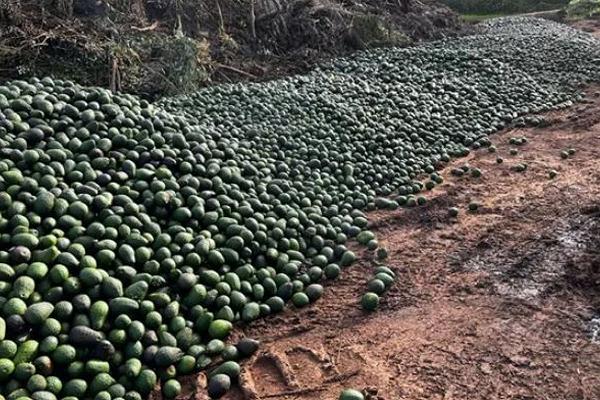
133, 236
583, 8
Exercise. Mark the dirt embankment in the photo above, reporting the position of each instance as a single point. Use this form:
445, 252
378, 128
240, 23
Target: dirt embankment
588, 25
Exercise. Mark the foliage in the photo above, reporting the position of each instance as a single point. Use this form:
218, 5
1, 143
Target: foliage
583, 8
181, 65
371, 31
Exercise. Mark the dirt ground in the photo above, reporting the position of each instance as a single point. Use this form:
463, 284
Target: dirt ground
490, 305
494, 304
588, 25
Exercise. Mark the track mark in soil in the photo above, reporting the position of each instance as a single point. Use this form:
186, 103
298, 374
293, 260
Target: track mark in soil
307, 365
271, 373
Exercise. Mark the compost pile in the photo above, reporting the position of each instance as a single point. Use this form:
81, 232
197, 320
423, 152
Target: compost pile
133, 235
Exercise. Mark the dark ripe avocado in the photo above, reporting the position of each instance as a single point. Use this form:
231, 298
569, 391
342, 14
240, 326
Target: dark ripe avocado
218, 385
247, 346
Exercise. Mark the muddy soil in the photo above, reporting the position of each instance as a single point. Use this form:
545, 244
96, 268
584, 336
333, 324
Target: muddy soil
588, 25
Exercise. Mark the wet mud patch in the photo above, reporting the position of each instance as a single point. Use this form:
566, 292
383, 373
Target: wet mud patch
541, 262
